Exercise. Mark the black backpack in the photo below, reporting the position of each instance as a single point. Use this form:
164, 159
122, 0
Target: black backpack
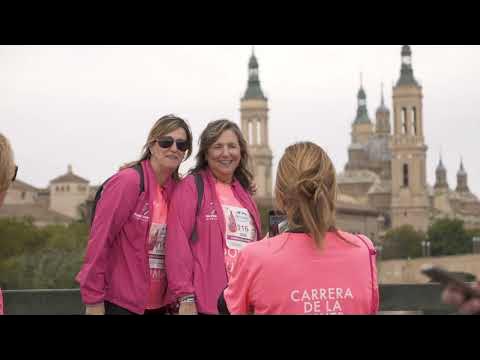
139, 169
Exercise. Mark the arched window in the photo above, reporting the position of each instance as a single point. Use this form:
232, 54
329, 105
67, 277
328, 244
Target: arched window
250, 132
23, 195
414, 121
259, 133
405, 176
404, 121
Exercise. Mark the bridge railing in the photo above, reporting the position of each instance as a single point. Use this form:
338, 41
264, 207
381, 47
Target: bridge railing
408, 299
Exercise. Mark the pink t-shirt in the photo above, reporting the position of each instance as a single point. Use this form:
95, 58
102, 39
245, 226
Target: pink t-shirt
240, 228
159, 295
1, 302
289, 275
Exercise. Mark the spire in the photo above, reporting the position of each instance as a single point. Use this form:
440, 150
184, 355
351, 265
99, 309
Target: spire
441, 175
462, 171
362, 112
440, 166
406, 73
254, 90
462, 179
382, 107
69, 168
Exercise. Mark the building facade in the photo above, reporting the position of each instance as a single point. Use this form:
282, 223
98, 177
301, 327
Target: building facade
386, 166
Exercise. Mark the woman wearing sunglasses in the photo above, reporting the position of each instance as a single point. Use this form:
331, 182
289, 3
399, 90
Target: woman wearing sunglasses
124, 267
198, 267
8, 173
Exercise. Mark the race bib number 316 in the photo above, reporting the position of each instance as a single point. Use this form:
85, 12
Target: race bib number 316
240, 228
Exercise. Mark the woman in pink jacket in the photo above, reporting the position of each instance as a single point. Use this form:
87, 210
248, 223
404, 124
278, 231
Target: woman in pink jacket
202, 248
313, 268
124, 267
8, 173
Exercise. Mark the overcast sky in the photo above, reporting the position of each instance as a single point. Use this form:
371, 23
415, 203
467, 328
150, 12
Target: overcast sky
93, 106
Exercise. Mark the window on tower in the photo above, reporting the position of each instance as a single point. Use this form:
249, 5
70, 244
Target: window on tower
250, 132
414, 121
405, 176
404, 121
259, 132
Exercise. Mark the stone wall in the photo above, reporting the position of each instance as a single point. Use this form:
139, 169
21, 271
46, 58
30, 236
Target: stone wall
408, 271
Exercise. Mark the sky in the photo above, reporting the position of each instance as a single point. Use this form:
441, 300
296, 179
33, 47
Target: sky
93, 106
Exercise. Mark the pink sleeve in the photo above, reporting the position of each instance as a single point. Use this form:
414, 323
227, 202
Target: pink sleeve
1, 302
374, 274
376, 293
178, 253
115, 206
237, 294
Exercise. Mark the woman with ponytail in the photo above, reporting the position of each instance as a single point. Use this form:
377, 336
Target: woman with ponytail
313, 268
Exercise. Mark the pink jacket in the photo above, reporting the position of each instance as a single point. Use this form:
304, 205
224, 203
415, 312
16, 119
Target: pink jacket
199, 268
116, 262
1, 302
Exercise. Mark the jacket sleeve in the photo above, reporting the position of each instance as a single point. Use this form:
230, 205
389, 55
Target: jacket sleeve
1, 302
178, 253
118, 200
376, 292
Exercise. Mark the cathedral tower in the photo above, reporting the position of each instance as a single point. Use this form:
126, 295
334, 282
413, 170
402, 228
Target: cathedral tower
362, 128
410, 204
254, 124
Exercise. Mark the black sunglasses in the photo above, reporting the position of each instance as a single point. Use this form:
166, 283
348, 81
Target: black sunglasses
166, 142
15, 175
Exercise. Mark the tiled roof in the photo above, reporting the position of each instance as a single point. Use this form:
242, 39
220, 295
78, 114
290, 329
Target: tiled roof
69, 178
22, 186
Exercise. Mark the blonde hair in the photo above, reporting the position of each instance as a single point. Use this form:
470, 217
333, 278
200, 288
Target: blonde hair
165, 125
7, 164
306, 188
210, 135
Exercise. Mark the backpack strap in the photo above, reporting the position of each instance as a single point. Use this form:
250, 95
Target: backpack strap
200, 187
138, 168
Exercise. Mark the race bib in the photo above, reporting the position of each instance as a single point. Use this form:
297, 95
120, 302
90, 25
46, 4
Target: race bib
240, 228
156, 246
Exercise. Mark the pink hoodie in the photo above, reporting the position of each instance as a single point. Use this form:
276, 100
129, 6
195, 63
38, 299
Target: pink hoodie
116, 262
1, 302
199, 268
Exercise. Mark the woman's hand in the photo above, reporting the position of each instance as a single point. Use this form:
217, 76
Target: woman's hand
98, 309
188, 308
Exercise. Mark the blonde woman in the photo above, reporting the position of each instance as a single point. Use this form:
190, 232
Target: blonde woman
313, 268
124, 267
8, 173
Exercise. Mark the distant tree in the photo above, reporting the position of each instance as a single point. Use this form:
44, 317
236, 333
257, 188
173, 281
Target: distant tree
449, 237
19, 236
40, 258
402, 243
